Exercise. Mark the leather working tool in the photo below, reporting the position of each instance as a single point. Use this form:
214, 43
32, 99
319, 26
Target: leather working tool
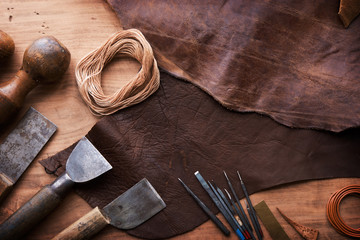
44, 61
220, 195
219, 205
21, 147
241, 213
84, 164
127, 211
212, 216
7, 46
251, 210
231, 220
270, 222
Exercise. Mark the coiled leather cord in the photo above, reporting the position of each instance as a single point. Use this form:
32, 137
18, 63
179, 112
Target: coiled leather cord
130, 43
333, 210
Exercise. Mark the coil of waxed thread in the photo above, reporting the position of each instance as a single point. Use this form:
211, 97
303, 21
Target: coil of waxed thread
7, 46
333, 210
130, 43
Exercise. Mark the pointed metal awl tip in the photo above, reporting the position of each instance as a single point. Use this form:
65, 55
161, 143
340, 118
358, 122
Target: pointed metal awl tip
246, 204
225, 175
227, 193
239, 176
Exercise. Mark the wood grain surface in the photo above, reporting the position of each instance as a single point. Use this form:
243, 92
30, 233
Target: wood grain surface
82, 25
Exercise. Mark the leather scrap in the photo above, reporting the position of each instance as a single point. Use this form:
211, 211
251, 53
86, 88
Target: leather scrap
348, 11
291, 60
305, 232
179, 130
270, 222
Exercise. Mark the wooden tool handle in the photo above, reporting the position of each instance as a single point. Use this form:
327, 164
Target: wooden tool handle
85, 227
5, 186
44, 61
7, 46
30, 214
13, 93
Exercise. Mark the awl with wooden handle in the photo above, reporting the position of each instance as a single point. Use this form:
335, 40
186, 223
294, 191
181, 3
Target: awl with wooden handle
127, 211
44, 61
84, 164
21, 147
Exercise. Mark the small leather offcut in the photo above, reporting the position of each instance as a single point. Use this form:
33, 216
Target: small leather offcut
270, 222
306, 232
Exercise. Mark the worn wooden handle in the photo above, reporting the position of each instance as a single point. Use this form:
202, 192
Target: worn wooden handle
30, 214
85, 227
7, 46
5, 186
13, 93
44, 61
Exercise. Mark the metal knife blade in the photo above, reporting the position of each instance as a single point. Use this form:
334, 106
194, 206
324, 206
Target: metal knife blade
134, 206
23, 144
86, 162
127, 211
21, 147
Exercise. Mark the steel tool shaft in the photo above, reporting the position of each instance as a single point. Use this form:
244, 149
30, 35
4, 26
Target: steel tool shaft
242, 212
212, 216
227, 205
218, 204
251, 210
253, 220
233, 223
84, 164
238, 213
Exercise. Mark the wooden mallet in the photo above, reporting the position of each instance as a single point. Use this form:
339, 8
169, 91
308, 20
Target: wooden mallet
45, 61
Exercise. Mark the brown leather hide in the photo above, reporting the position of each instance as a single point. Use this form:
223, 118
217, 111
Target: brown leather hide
180, 129
289, 59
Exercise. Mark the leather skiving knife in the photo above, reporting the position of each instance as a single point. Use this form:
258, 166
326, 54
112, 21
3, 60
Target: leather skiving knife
84, 164
127, 211
21, 146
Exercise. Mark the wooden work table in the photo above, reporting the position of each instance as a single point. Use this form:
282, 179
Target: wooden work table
82, 25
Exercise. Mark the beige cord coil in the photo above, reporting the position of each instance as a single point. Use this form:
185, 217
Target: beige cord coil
129, 43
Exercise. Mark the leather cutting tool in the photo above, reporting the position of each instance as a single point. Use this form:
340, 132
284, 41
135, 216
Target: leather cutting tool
84, 164
127, 211
21, 147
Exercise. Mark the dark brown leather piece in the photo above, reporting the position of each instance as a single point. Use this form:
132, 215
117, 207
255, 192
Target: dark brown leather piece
180, 130
292, 60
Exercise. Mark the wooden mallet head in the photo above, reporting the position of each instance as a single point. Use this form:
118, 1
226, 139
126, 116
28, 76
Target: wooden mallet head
7, 46
45, 61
